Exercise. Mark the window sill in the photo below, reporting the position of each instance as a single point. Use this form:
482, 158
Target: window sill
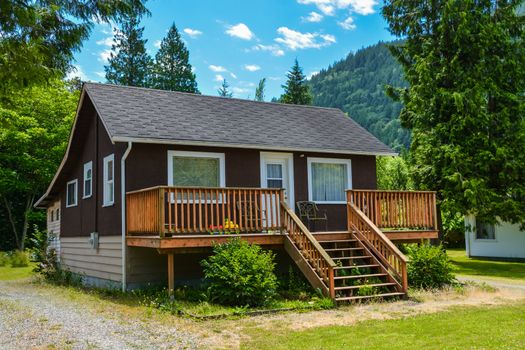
486, 240
86, 197
71, 205
107, 205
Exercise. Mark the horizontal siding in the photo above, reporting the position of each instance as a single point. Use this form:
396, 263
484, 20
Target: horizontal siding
104, 262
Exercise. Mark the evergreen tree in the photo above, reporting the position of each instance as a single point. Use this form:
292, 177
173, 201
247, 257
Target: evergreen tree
224, 90
296, 90
172, 69
465, 63
259, 90
129, 63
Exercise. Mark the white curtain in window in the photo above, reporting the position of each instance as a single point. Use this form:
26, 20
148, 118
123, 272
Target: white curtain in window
329, 182
196, 171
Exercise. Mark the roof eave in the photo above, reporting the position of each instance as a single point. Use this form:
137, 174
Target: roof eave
248, 146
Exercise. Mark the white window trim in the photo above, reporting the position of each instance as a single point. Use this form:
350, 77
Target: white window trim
106, 202
220, 156
87, 166
76, 193
485, 240
286, 157
346, 162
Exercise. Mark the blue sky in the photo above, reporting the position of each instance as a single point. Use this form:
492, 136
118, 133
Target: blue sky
244, 41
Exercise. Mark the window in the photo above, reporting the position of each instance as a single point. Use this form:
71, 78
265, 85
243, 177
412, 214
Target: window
328, 179
71, 193
109, 180
199, 169
485, 231
57, 213
274, 175
88, 179
51, 215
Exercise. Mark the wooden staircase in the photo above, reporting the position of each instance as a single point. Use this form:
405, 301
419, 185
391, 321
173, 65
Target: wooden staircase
359, 274
366, 265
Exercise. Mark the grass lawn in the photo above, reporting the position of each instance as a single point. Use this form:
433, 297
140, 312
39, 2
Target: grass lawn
8, 273
494, 327
486, 268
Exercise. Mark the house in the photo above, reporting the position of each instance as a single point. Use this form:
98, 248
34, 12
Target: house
504, 240
151, 179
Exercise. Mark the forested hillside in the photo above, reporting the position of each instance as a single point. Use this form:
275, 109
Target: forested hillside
356, 85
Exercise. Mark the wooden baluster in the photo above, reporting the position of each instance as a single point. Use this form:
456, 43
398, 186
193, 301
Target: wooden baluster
217, 212
228, 209
194, 209
257, 209
250, 206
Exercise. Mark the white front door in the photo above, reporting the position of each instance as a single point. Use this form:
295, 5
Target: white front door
277, 172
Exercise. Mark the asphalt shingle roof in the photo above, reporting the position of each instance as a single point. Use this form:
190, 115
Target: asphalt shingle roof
167, 116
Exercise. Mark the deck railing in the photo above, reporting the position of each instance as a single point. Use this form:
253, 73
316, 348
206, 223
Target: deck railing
394, 210
165, 210
371, 236
309, 247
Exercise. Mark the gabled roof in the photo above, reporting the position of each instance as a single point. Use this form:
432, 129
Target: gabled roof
157, 116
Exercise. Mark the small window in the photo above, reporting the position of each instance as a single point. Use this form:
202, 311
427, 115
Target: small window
71, 193
485, 231
328, 179
109, 180
274, 175
57, 214
88, 179
51, 215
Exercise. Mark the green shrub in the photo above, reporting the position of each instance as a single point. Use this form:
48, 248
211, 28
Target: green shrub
239, 273
4, 259
428, 266
19, 258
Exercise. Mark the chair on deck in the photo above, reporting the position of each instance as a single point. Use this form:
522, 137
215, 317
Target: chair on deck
309, 213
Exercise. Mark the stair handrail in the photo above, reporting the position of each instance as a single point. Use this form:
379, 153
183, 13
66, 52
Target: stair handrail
309, 247
386, 251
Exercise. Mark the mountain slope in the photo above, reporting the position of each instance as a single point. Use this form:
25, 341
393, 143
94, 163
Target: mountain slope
356, 85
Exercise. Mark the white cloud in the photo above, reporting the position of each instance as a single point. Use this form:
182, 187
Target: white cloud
238, 90
218, 77
217, 69
77, 72
233, 75
313, 17
309, 76
275, 78
252, 67
108, 41
296, 40
104, 56
100, 74
329, 7
347, 24
240, 31
274, 49
192, 33
157, 44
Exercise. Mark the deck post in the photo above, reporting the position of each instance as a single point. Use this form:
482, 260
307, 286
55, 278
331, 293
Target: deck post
171, 275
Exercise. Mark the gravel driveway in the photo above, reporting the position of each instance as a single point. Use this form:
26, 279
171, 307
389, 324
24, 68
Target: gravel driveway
31, 317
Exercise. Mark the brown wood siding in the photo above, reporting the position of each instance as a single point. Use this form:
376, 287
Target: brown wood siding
89, 215
363, 177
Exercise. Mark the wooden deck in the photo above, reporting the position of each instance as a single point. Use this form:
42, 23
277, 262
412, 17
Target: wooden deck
277, 239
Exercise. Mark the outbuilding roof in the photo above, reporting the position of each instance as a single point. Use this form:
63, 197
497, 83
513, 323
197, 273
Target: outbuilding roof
158, 116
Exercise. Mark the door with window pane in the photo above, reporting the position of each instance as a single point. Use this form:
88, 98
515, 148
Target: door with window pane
276, 171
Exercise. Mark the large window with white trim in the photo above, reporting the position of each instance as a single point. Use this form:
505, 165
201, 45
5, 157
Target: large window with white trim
328, 178
198, 169
71, 193
88, 179
109, 180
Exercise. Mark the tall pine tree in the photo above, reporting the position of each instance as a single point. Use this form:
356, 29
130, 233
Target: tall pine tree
224, 90
129, 63
259, 90
465, 62
172, 69
296, 91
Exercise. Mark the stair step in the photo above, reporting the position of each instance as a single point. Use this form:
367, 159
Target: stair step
393, 294
351, 257
360, 276
339, 241
341, 249
355, 266
386, 284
